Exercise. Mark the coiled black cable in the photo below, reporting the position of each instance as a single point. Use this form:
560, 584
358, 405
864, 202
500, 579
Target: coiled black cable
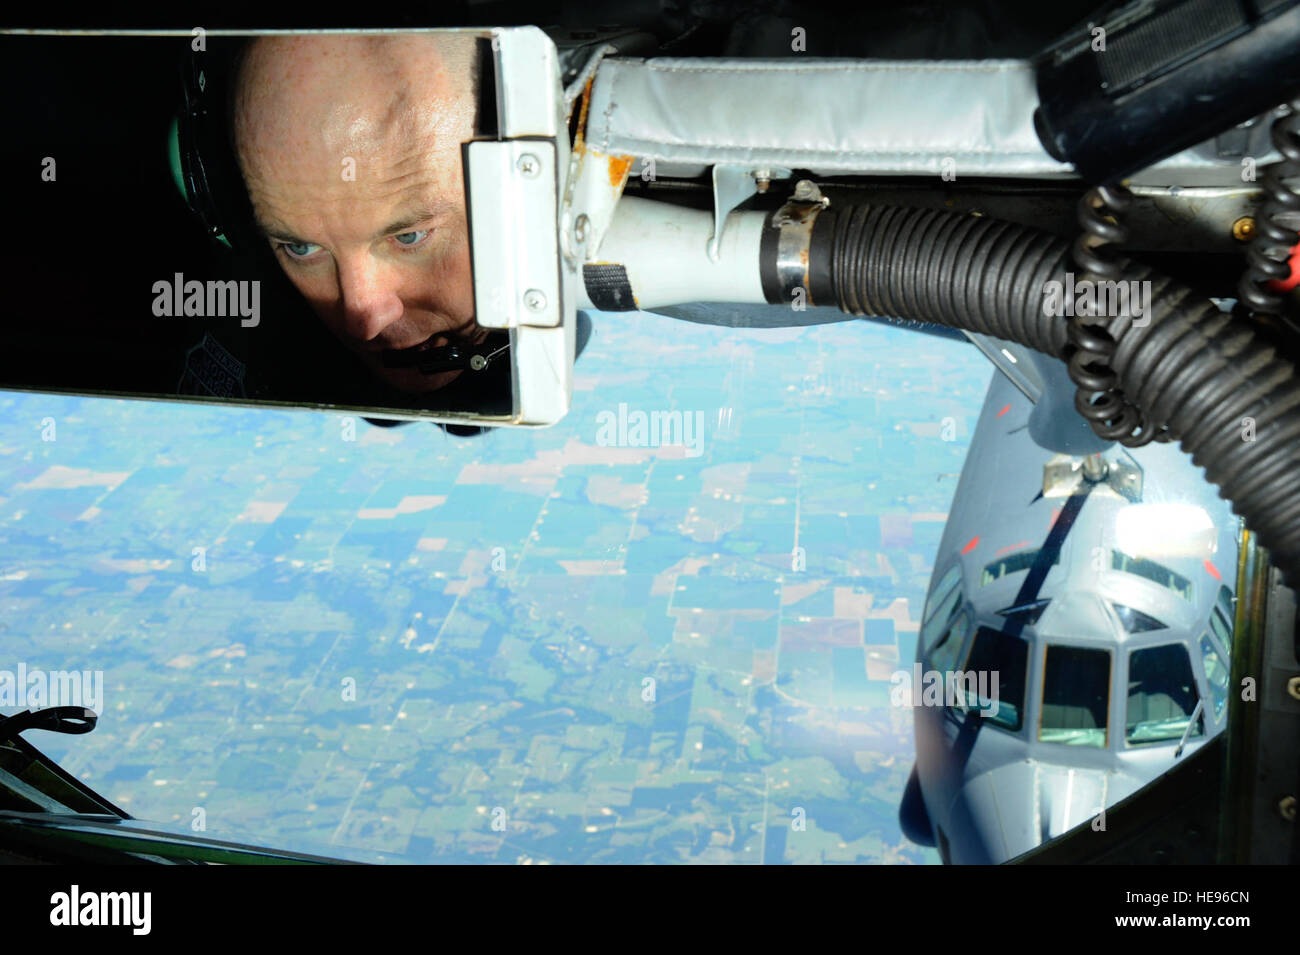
1092, 343
1190, 367
1271, 247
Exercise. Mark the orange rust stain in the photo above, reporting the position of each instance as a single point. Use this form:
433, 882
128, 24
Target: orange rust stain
618, 167
582, 110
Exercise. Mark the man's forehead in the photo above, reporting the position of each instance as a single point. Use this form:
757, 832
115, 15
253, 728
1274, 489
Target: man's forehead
353, 92
351, 141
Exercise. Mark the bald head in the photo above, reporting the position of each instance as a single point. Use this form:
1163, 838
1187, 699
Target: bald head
305, 104
350, 146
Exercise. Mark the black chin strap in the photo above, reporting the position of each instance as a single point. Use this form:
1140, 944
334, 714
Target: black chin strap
447, 357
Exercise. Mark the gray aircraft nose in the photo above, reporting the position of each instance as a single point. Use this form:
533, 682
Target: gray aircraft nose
1018, 806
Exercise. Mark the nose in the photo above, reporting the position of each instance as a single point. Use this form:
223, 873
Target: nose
370, 302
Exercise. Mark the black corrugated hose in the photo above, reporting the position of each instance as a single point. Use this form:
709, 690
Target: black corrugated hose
1192, 368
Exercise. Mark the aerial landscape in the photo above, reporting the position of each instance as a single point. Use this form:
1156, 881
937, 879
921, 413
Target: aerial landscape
527, 646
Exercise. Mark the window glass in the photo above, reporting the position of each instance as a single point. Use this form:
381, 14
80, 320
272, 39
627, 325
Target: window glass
942, 590
1012, 564
1221, 618
1225, 601
1222, 627
1076, 692
995, 653
1135, 621
1152, 571
943, 604
946, 652
1161, 695
1216, 674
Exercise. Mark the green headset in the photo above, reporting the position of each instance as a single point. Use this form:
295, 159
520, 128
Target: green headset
202, 161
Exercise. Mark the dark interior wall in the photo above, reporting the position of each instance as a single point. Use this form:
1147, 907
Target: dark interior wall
80, 254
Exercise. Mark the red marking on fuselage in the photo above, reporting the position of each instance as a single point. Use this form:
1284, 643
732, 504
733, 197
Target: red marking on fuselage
1003, 411
971, 546
1212, 570
999, 553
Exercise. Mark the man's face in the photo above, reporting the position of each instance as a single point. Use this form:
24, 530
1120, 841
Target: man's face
350, 148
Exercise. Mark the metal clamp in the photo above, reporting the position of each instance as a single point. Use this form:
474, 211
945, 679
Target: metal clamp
795, 221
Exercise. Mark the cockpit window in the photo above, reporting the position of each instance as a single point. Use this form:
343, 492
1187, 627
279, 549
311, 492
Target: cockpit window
1221, 617
941, 606
1011, 564
944, 655
1135, 621
1152, 571
1216, 674
1222, 627
999, 662
1076, 696
1026, 614
1226, 601
1161, 695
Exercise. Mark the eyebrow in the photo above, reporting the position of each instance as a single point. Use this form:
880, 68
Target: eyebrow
421, 213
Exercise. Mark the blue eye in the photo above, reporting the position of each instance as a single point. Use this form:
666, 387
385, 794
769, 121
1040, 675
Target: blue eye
298, 250
304, 250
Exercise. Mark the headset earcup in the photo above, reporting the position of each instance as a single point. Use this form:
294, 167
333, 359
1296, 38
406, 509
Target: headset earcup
178, 173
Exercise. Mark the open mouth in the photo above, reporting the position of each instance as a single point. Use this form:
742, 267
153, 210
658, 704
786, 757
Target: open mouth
409, 356
433, 341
